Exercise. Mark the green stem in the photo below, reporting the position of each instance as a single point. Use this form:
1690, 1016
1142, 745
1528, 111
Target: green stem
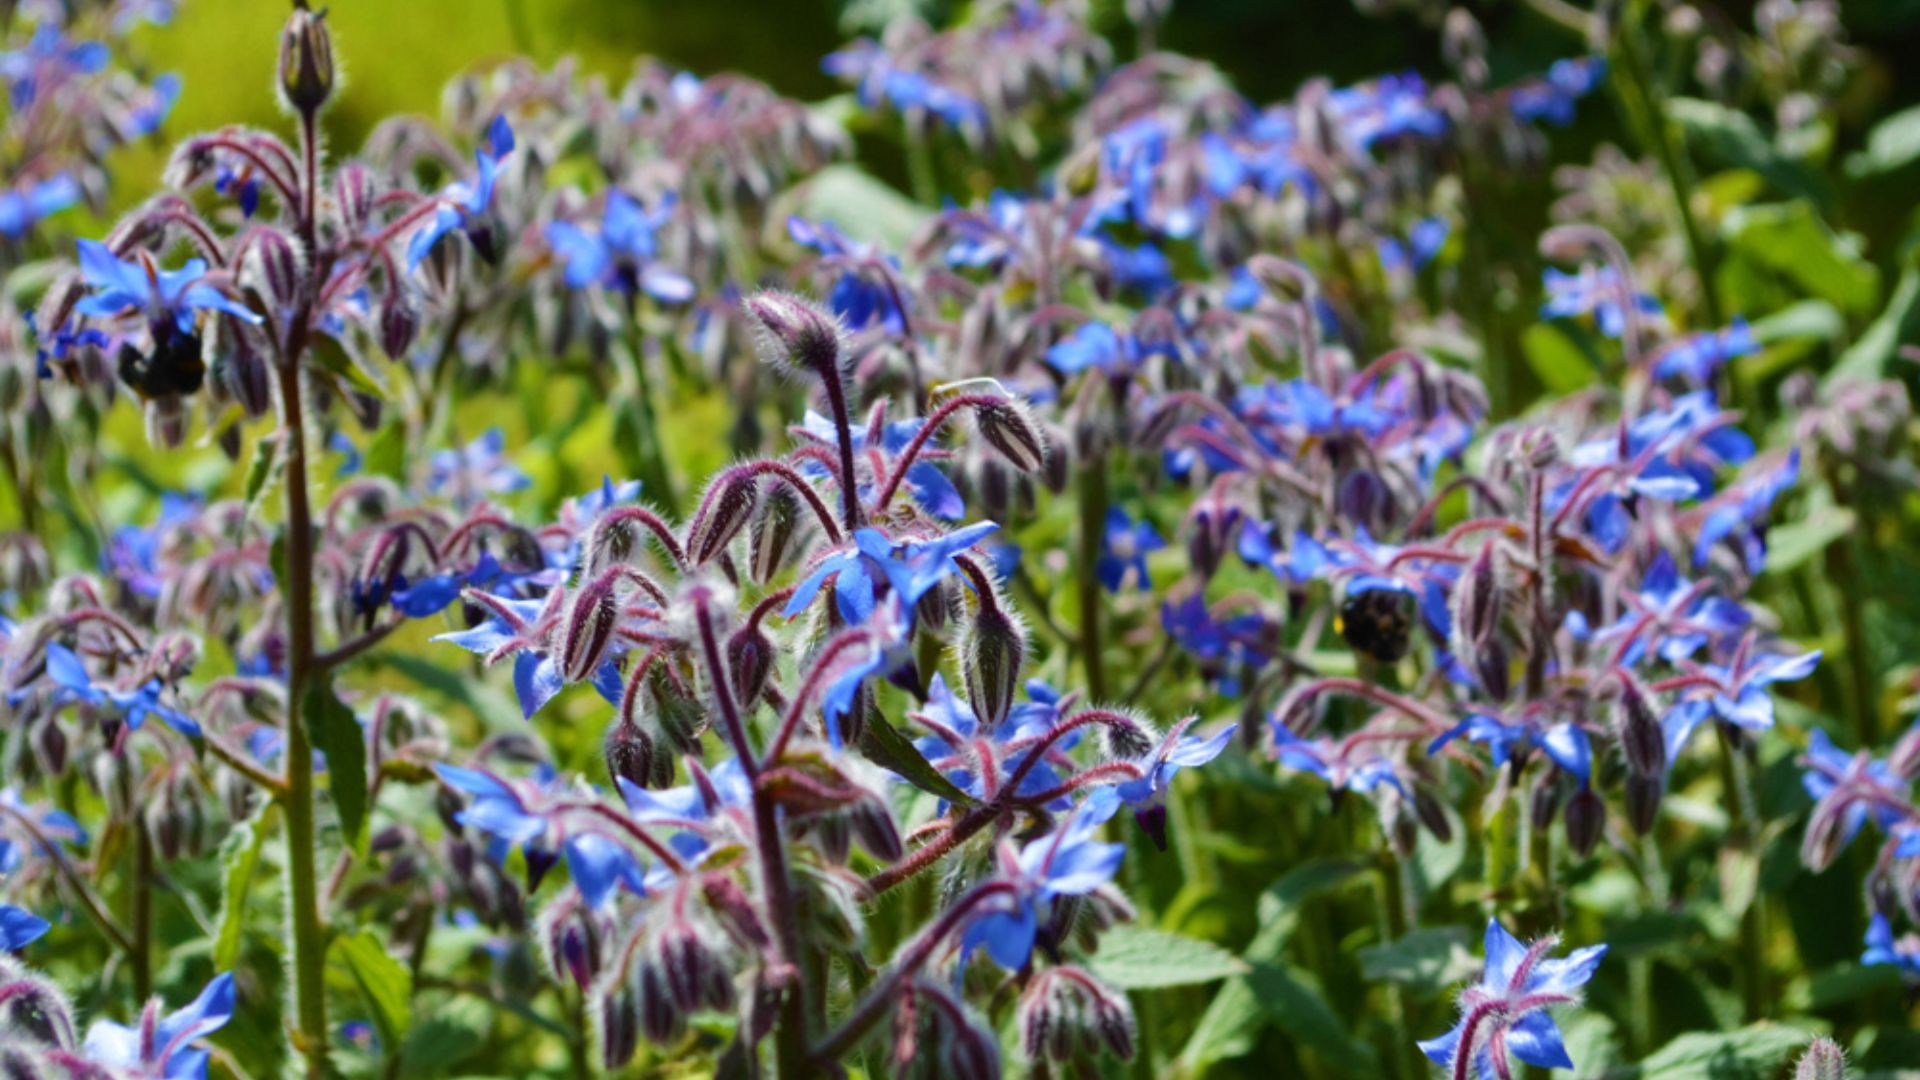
1750, 964
141, 917
1091, 493
1659, 134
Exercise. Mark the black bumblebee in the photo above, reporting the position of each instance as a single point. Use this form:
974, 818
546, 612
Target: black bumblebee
1378, 623
174, 368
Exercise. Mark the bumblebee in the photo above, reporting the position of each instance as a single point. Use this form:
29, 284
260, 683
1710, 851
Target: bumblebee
1378, 623
174, 368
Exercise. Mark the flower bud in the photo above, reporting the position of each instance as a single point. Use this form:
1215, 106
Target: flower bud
353, 194
772, 532
1009, 427
749, 662
573, 938
1433, 815
274, 268
306, 60
616, 1024
1586, 819
32, 1007
796, 333
728, 506
1478, 600
1643, 800
166, 421
399, 322
1824, 1060
1641, 738
1057, 471
994, 651
589, 629
1066, 1012
1545, 804
632, 755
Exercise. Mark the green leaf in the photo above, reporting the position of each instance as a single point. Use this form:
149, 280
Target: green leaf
863, 207
1894, 143
1429, 959
1790, 240
1731, 139
1293, 1002
1234, 1016
262, 469
882, 744
445, 1037
1792, 543
383, 981
1136, 958
1563, 366
240, 855
1873, 353
1751, 1053
336, 734
386, 452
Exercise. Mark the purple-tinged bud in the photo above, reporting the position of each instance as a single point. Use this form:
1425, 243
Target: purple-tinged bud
993, 482
749, 663
1824, 1060
113, 776
1432, 814
796, 334
573, 938
772, 532
1057, 471
1493, 669
1402, 827
1479, 597
1545, 804
399, 323
274, 269
1642, 740
306, 60
616, 1024
33, 1007
1128, 736
539, 862
1643, 795
728, 506
1009, 427
1586, 820
632, 755
1826, 834
994, 652
589, 629
871, 822
735, 911
354, 189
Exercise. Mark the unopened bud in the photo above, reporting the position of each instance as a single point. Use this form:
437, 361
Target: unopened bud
632, 755
1433, 815
1586, 819
1643, 800
1824, 1060
771, 534
33, 1007
796, 333
616, 1024
399, 322
995, 649
589, 633
1009, 427
728, 506
1641, 738
749, 662
275, 269
306, 59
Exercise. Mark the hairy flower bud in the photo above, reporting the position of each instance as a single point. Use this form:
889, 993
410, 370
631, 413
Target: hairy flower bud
589, 628
633, 755
275, 269
1065, 1012
1824, 1060
573, 939
749, 662
616, 1023
729, 504
33, 1008
306, 59
399, 323
994, 651
1009, 427
796, 334
1432, 813
1641, 737
1586, 819
771, 534
1643, 795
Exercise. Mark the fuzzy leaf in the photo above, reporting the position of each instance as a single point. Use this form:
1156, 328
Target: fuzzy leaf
883, 745
337, 735
1751, 1053
1137, 958
1429, 960
383, 981
240, 855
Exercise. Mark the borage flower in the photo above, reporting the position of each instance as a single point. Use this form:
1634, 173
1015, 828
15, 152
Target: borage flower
1066, 862
162, 1046
1506, 1011
465, 205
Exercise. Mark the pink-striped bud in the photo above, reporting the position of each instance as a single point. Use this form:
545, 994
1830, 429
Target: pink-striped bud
1009, 427
729, 505
592, 617
1586, 820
